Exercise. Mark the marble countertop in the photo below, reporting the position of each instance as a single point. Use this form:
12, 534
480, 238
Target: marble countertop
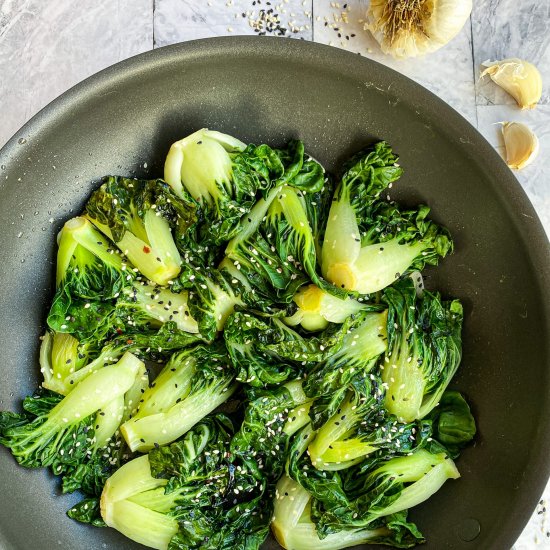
46, 46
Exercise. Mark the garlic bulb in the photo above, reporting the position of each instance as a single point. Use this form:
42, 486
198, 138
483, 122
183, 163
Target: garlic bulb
520, 79
521, 144
408, 28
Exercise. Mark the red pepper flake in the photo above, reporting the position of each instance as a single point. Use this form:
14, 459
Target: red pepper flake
146, 249
129, 341
119, 331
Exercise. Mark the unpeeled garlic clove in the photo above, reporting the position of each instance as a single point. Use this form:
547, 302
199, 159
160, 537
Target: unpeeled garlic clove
521, 144
519, 78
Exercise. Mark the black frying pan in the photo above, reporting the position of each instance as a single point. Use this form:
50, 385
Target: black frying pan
123, 120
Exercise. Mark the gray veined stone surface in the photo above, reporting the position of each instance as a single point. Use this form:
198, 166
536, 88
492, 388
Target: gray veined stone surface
46, 46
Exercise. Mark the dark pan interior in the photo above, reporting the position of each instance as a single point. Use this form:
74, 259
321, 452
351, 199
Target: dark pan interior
123, 120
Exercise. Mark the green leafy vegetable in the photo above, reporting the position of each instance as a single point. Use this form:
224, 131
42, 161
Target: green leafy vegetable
389, 488
274, 251
140, 216
368, 243
255, 258
294, 528
90, 273
106, 450
59, 358
87, 511
249, 340
192, 384
43, 436
146, 307
271, 417
223, 175
212, 298
454, 424
424, 349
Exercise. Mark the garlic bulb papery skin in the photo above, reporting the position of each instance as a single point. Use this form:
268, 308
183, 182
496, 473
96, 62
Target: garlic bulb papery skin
519, 78
409, 28
521, 144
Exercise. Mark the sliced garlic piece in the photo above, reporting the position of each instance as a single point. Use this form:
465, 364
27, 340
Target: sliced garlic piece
521, 144
408, 28
519, 78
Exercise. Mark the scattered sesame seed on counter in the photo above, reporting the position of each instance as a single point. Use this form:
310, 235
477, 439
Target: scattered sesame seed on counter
537, 532
272, 18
